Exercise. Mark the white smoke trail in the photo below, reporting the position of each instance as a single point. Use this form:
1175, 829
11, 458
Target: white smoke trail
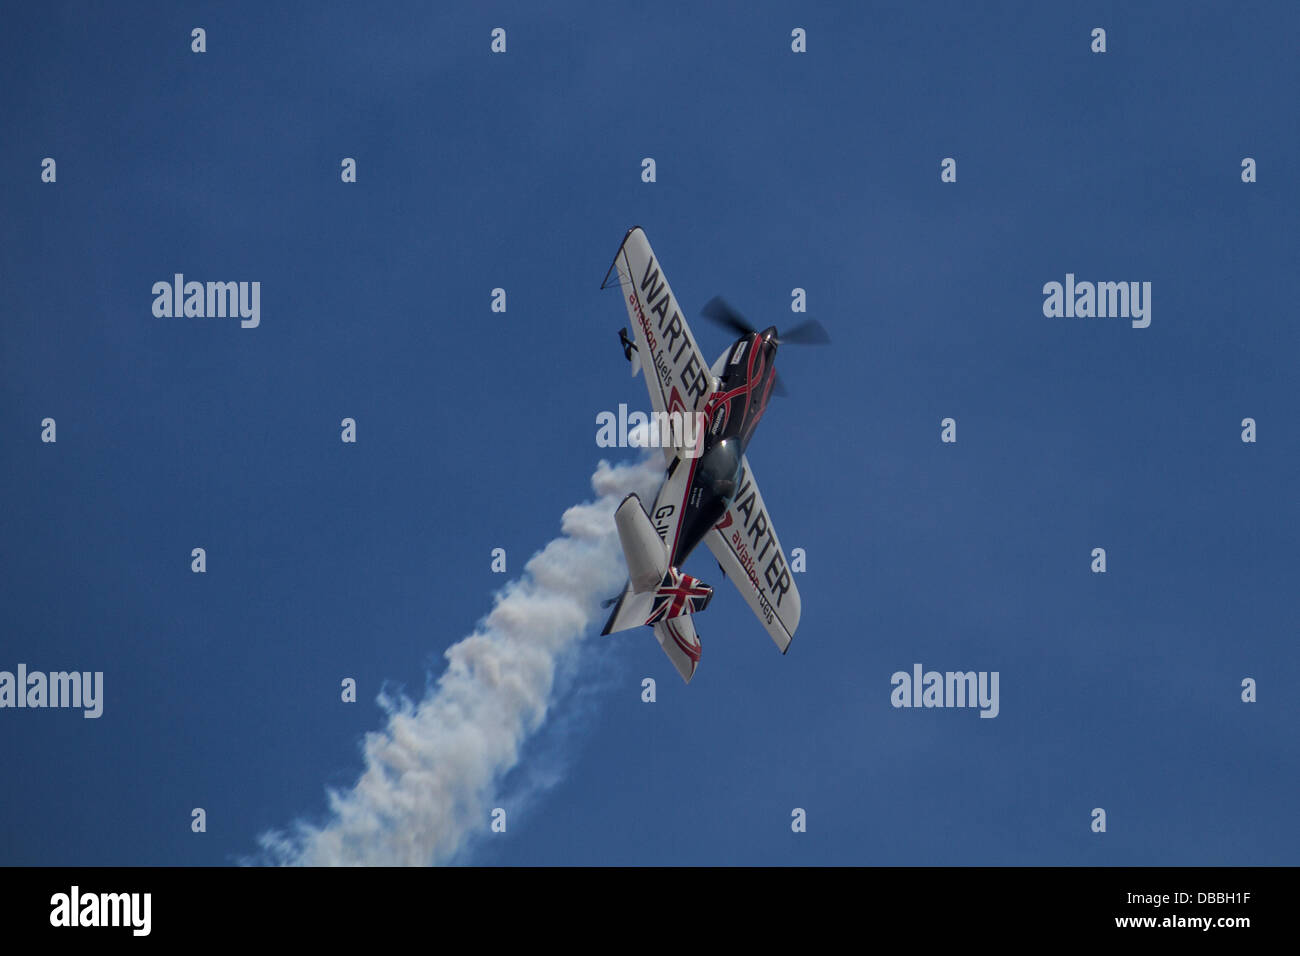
430, 774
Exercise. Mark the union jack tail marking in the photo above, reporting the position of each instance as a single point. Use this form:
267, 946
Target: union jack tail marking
678, 594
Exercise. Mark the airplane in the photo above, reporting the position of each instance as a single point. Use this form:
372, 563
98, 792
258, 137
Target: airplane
709, 493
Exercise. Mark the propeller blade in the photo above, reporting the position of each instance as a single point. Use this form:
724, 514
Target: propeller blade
717, 310
778, 387
810, 332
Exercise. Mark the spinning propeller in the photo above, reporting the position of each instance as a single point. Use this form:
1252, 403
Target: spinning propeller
808, 332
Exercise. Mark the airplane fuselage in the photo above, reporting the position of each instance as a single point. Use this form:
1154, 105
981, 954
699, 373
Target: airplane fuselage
732, 413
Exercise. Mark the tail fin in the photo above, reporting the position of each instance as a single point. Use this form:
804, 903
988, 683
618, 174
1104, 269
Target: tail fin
656, 594
677, 596
654, 591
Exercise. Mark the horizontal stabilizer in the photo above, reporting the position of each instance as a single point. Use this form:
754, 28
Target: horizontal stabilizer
647, 560
630, 610
682, 645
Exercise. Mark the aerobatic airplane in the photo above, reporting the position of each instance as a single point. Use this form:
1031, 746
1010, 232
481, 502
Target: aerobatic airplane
709, 493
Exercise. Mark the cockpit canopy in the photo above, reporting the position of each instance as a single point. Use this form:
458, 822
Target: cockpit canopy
720, 467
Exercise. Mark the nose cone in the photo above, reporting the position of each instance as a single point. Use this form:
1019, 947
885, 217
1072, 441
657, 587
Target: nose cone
769, 337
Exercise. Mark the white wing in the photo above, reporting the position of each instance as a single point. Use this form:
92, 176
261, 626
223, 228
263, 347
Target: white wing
676, 373
745, 544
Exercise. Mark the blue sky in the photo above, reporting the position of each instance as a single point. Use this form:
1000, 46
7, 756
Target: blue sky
476, 429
